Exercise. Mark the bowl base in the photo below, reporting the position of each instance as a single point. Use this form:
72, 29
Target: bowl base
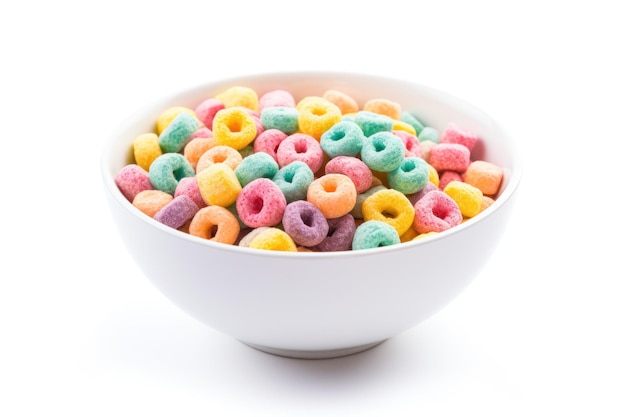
314, 354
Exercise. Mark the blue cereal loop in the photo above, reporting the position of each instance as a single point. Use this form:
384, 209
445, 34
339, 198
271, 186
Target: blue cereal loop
410, 177
284, 119
374, 234
167, 170
293, 180
342, 139
383, 151
256, 165
371, 122
178, 132
409, 118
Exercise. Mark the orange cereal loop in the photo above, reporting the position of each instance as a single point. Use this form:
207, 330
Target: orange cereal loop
485, 176
317, 115
194, 149
239, 96
384, 106
215, 223
217, 154
170, 114
274, 239
151, 201
146, 149
333, 194
234, 127
390, 206
340, 99
486, 203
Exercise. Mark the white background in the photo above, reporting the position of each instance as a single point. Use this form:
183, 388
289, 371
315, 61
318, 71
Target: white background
540, 331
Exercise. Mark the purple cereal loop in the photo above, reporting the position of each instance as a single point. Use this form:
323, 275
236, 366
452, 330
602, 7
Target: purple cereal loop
340, 234
177, 212
305, 223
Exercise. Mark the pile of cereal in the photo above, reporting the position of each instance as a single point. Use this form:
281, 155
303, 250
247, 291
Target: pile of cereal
320, 174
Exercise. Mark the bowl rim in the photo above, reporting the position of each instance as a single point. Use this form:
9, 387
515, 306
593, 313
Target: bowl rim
506, 194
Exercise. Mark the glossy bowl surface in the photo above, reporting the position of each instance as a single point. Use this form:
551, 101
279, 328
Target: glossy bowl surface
316, 305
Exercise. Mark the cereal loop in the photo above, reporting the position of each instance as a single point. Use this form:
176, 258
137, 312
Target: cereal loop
436, 212
239, 96
218, 185
317, 115
305, 223
167, 170
374, 234
333, 194
219, 154
467, 197
146, 149
300, 147
342, 100
273, 239
170, 114
215, 223
389, 206
261, 203
234, 127
150, 202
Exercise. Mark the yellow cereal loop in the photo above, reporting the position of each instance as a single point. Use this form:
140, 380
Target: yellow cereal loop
423, 235
234, 127
169, 114
409, 235
239, 96
384, 106
146, 149
317, 115
400, 125
389, 206
467, 197
273, 239
433, 175
218, 185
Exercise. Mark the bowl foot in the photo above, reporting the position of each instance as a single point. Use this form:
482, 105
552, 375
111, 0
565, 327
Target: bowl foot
314, 354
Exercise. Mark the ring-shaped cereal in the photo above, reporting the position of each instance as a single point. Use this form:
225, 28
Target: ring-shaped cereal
410, 177
352, 167
374, 234
178, 132
466, 196
146, 149
218, 185
217, 154
333, 194
167, 170
273, 239
342, 139
294, 180
234, 127
317, 115
170, 114
261, 203
177, 212
196, 147
300, 147
256, 165
436, 212
389, 206
305, 223
150, 202
383, 151
340, 234
215, 223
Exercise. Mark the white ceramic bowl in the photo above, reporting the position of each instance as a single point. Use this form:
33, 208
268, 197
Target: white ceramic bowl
316, 305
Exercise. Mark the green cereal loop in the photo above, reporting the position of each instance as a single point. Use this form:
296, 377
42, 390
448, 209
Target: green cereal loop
284, 119
257, 165
167, 170
342, 139
178, 132
293, 180
374, 234
410, 119
429, 133
371, 122
410, 177
383, 151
